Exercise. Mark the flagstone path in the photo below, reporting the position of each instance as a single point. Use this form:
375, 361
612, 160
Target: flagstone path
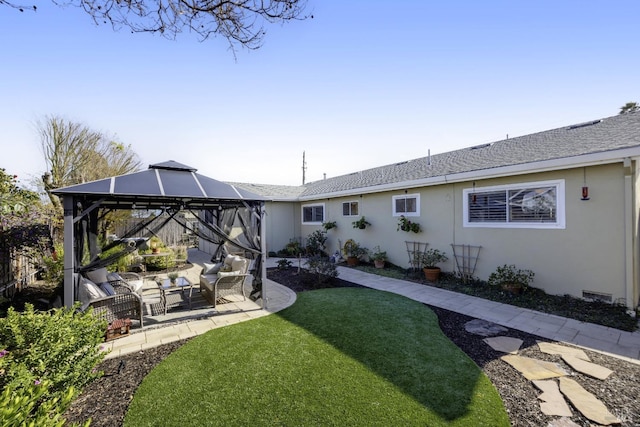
541, 374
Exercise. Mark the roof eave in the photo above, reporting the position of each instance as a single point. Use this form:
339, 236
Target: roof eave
601, 158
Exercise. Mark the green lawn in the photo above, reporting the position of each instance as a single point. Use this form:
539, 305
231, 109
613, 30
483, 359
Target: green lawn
337, 357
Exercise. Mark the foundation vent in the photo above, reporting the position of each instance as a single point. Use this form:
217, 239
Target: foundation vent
597, 296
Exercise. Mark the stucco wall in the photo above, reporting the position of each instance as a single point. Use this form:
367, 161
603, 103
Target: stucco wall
588, 254
282, 224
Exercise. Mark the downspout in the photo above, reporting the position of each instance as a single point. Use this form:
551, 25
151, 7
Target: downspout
630, 218
634, 291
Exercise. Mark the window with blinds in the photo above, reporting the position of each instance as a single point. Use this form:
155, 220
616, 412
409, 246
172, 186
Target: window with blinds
313, 214
532, 205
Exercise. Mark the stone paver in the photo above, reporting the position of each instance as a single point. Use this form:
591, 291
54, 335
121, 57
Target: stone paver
553, 403
552, 348
483, 328
588, 368
504, 344
533, 369
586, 402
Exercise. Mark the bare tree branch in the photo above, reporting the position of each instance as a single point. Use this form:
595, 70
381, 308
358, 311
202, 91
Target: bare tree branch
241, 22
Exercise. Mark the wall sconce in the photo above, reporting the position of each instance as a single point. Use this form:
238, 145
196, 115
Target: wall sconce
585, 189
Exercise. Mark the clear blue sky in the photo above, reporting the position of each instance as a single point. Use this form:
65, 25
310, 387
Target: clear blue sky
363, 84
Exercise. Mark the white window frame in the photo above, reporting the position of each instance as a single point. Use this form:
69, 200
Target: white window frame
560, 222
406, 196
313, 205
350, 212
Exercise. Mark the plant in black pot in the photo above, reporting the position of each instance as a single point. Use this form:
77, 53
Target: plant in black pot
511, 279
361, 223
429, 261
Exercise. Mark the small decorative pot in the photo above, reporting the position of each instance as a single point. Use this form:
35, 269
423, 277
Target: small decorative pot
513, 288
352, 260
431, 274
379, 263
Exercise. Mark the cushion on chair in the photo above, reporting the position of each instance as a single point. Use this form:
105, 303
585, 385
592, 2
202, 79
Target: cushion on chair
211, 268
98, 276
238, 264
113, 277
88, 291
107, 288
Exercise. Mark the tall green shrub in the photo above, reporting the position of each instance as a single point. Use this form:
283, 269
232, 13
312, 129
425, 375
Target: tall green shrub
58, 349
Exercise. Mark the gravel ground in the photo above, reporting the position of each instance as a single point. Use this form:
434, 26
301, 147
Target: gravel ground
105, 401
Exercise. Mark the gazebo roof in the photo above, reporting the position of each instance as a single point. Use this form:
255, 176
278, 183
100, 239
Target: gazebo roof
167, 184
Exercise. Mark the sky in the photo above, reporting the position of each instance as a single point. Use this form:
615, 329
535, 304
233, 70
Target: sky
362, 84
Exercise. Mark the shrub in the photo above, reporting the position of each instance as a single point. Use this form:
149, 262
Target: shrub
284, 263
56, 349
315, 242
324, 270
29, 406
509, 274
293, 248
54, 266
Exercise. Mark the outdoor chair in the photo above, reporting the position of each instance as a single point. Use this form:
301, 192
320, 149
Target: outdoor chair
223, 279
110, 300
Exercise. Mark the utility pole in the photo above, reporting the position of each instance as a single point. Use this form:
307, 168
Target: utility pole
304, 168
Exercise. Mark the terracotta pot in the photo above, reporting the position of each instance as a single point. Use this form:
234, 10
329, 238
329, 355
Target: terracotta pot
379, 263
513, 288
431, 274
352, 260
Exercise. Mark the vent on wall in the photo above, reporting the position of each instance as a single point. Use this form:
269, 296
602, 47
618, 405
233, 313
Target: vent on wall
597, 296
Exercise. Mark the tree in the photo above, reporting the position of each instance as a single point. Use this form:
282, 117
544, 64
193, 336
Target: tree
241, 22
75, 154
629, 107
25, 224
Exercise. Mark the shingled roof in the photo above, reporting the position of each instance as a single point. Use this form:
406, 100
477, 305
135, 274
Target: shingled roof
611, 135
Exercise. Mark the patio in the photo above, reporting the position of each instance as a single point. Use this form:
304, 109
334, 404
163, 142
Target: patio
181, 323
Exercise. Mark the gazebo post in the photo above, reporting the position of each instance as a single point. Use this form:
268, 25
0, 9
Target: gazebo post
69, 251
263, 249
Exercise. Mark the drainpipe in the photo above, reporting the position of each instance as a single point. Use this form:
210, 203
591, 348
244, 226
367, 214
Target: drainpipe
630, 218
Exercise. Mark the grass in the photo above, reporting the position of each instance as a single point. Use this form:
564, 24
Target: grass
337, 357
601, 313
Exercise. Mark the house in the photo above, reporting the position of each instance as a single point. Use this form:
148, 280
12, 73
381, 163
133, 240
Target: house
563, 203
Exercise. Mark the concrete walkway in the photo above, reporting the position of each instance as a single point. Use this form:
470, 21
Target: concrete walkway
625, 345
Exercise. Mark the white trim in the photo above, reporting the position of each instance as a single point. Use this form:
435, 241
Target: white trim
324, 210
405, 196
350, 214
560, 206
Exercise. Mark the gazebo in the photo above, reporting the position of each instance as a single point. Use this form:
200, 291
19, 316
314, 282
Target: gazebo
169, 187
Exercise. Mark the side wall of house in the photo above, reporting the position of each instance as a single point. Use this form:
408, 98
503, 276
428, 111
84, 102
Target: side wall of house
588, 254
282, 224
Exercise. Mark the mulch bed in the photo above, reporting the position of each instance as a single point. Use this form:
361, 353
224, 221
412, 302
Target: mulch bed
106, 400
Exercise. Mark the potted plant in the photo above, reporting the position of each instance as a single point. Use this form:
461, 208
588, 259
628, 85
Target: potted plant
361, 223
405, 224
511, 279
172, 278
329, 225
379, 257
353, 251
429, 261
154, 244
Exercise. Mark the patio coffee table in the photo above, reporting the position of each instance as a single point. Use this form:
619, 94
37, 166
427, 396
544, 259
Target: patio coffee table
166, 288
